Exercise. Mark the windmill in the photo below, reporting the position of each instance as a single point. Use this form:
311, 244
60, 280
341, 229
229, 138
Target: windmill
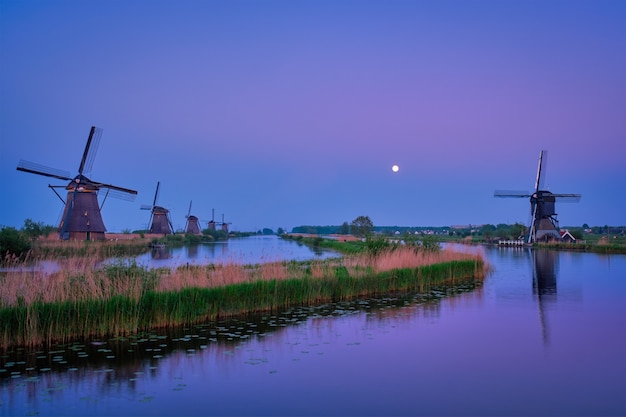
224, 225
193, 224
212, 222
160, 222
544, 225
81, 218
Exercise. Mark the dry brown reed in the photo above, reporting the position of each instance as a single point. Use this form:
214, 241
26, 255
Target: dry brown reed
79, 279
407, 257
57, 249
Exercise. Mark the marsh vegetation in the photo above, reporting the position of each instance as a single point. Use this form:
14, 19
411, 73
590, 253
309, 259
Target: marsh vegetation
84, 299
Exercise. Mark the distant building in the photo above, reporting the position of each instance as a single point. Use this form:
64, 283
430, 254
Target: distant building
566, 236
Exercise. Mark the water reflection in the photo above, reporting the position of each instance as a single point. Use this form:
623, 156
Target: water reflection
545, 270
385, 356
248, 250
161, 252
192, 251
124, 358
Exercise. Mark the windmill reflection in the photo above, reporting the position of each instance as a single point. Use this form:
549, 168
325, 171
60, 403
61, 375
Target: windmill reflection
161, 252
545, 270
192, 251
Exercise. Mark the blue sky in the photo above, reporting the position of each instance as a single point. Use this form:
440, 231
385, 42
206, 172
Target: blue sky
284, 113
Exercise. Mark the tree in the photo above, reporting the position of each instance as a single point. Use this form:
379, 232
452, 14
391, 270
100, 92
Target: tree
12, 242
362, 226
488, 230
33, 230
280, 231
518, 230
345, 229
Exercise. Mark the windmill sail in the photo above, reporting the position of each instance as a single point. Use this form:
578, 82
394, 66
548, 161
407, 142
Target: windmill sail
91, 148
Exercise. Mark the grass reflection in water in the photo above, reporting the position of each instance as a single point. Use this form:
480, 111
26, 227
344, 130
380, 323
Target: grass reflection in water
134, 357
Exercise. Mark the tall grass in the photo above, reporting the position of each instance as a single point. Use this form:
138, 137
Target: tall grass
80, 300
55, 249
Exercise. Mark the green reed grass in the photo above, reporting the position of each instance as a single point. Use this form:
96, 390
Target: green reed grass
601, 246
130, 300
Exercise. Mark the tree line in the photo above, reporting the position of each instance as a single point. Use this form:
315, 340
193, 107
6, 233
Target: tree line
360, 226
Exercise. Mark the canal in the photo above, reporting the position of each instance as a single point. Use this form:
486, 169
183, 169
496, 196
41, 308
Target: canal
545, 335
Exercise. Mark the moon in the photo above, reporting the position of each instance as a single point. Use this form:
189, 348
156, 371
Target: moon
395, 168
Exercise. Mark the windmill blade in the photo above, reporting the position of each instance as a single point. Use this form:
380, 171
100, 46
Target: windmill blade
119, 194
530, 224
189, 211
108, 192
169, 221
114, 187
39, 169
156, 194
93, 141
541, 170
64, 233
511, 194
567, 198
149, 228
531, 232
145, 207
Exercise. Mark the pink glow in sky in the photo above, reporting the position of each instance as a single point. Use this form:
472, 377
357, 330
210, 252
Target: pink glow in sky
283, 113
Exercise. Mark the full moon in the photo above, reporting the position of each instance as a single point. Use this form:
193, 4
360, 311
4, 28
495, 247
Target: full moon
395, 168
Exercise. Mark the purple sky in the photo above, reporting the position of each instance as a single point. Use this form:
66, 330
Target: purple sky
284, 113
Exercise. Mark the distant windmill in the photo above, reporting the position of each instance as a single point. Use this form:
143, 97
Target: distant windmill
224, 225
544, 224
212, 222
160, 222
81, 218
193, 224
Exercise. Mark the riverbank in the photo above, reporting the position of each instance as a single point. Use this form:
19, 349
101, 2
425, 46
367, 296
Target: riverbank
595, 244
80, 301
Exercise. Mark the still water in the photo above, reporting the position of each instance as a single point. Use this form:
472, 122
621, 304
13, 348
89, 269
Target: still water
545, 335
249, 250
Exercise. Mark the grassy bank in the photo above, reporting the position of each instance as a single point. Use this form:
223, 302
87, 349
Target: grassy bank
80, 301
346, 247
55, 249
602, 246
591, 243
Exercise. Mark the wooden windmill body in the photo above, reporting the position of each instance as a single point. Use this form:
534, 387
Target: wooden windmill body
160, 222
193, 223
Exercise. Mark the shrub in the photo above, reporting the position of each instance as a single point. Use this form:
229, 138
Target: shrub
375, 245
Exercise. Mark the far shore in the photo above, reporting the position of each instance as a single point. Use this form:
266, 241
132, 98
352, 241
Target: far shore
110, 236
340, 238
